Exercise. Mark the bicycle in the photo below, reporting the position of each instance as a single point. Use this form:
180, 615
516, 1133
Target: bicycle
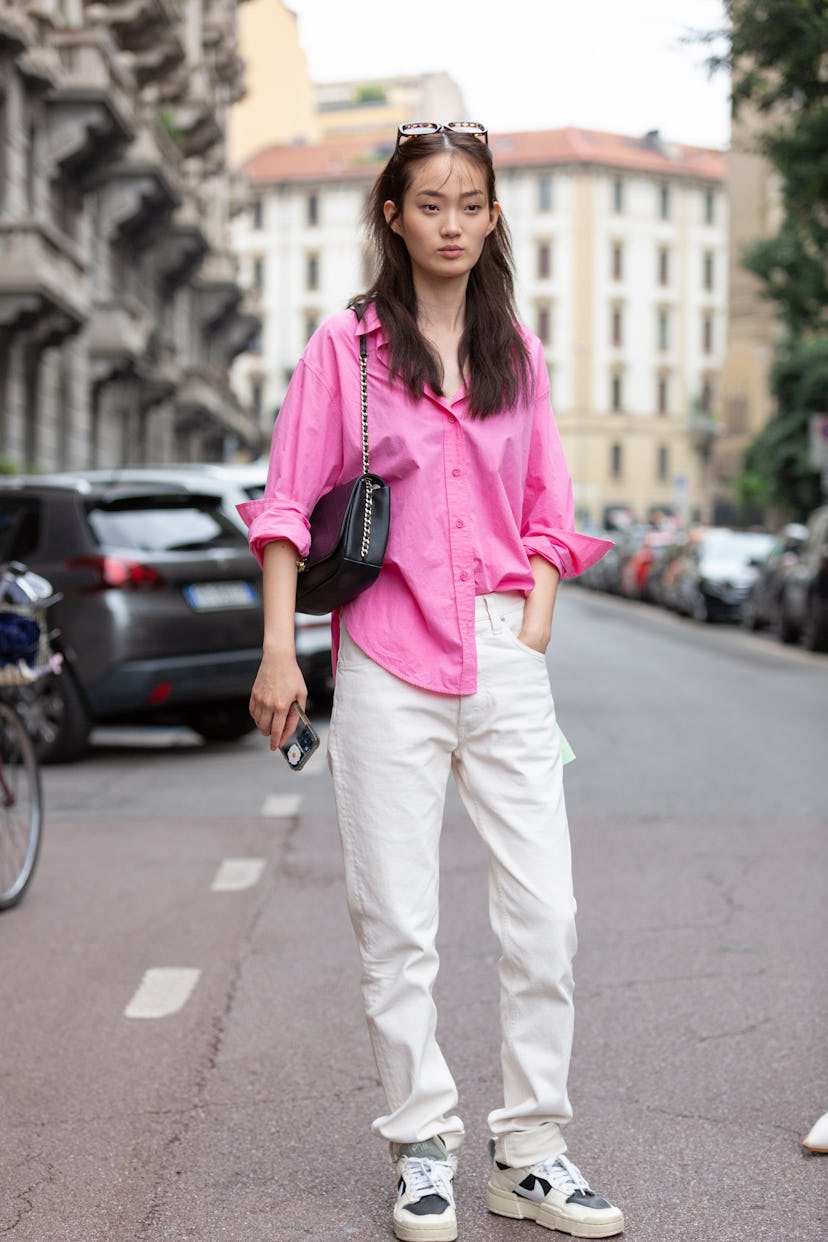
25, 655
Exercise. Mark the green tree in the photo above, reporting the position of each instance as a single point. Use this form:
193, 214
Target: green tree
777, 53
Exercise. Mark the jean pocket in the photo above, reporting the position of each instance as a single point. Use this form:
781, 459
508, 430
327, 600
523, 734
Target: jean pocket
512, 636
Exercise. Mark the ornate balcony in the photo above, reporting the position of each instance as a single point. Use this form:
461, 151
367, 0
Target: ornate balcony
16, 29
90, 115
151, 30
241, 326
181, 246
203, 394
117, 337
217, 287
42, 285
140, 192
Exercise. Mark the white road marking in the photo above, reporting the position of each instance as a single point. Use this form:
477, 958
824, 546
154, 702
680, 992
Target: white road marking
281, 806
162, 991
234, 874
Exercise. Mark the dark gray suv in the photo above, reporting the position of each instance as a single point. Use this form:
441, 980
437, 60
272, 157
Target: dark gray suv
161, 613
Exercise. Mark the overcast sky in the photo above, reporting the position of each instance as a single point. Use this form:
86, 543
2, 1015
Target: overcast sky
617, 65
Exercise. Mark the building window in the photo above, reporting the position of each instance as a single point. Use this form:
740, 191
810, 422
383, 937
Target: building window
257, 213
616, 460
664, 202
662, 462
311, 324
544, 260
617, 195
545, 194
616, 392
663, 329
706, 395
662, 394
544, 322
617, 260
312, 271
258, 273
617, 325
256, 397
707, 333
709, 207
312, 210
708, 271
663, 265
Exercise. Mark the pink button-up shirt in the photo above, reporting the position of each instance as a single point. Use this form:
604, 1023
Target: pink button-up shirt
471, 499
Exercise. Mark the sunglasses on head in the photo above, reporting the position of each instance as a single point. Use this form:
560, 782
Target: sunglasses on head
416, 129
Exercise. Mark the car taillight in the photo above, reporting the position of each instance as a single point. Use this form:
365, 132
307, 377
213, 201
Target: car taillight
118, 572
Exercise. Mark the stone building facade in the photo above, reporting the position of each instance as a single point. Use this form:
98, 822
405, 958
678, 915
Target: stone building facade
120, 307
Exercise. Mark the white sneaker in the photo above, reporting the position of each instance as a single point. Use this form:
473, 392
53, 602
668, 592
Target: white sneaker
817, 1137
424, 1211
554, 1194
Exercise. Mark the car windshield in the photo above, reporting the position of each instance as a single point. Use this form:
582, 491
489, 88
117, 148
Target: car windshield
736, 545
159, 525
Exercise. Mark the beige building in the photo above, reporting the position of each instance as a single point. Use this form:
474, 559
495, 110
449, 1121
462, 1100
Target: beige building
621, 253
745, 401
279, 105
120, 310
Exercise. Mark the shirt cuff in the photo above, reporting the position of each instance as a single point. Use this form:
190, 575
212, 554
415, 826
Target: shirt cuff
267, 520
570, 552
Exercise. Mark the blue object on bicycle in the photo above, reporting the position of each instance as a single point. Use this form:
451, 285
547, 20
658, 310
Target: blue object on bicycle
19, 639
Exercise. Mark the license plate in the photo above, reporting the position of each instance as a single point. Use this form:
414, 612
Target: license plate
206, 595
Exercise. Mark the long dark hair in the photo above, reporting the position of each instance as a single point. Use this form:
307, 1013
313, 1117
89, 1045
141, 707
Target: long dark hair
492, 352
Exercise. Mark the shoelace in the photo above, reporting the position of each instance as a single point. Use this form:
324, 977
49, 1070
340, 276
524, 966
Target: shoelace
563, 1175
428, 1177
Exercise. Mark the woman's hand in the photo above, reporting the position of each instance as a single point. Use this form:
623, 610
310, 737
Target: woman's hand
540, 604
279, 684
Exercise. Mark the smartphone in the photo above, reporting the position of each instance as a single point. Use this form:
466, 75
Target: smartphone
301, 744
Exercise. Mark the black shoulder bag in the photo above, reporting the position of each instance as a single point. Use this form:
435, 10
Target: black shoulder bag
349, 530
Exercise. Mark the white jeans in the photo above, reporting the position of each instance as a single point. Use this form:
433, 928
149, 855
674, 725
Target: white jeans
391, 747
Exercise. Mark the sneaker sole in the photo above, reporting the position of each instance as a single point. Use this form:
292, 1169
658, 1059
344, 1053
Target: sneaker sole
424, 1233
502, 1203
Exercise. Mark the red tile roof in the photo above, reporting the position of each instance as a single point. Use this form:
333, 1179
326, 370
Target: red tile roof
360, 158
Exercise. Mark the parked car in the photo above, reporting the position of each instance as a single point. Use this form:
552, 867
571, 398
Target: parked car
636, 570
804, 599
763, 604
233, 484
161, 610
716, 571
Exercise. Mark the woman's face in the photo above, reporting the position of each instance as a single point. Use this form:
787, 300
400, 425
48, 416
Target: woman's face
445, 217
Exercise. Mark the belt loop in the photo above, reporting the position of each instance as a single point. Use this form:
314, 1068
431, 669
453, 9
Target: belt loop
491, 608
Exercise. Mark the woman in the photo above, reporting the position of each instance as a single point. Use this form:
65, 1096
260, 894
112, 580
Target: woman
441, 665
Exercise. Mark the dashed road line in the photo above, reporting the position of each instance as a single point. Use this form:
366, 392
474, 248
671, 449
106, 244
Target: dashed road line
281, 806
236, 874
162, 991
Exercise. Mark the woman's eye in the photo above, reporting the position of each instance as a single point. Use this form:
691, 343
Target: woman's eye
430, 208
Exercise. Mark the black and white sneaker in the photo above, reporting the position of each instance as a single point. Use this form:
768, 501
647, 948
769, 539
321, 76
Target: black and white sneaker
555, 1194
424, 1211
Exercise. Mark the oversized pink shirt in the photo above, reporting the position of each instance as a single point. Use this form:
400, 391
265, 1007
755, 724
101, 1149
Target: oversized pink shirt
471, 499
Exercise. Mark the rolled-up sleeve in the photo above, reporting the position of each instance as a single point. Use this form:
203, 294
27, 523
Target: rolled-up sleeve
305, 459
548, 524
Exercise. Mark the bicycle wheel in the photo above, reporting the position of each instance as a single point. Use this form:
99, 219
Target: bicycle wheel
20, 808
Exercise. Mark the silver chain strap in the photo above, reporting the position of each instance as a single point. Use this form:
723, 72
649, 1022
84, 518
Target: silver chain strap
366, 464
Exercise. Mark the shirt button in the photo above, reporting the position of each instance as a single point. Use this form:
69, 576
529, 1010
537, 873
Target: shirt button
456, 471
459, 523
464, 577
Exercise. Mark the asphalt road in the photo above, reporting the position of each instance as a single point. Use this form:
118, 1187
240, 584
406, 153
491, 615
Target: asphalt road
183, 1049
